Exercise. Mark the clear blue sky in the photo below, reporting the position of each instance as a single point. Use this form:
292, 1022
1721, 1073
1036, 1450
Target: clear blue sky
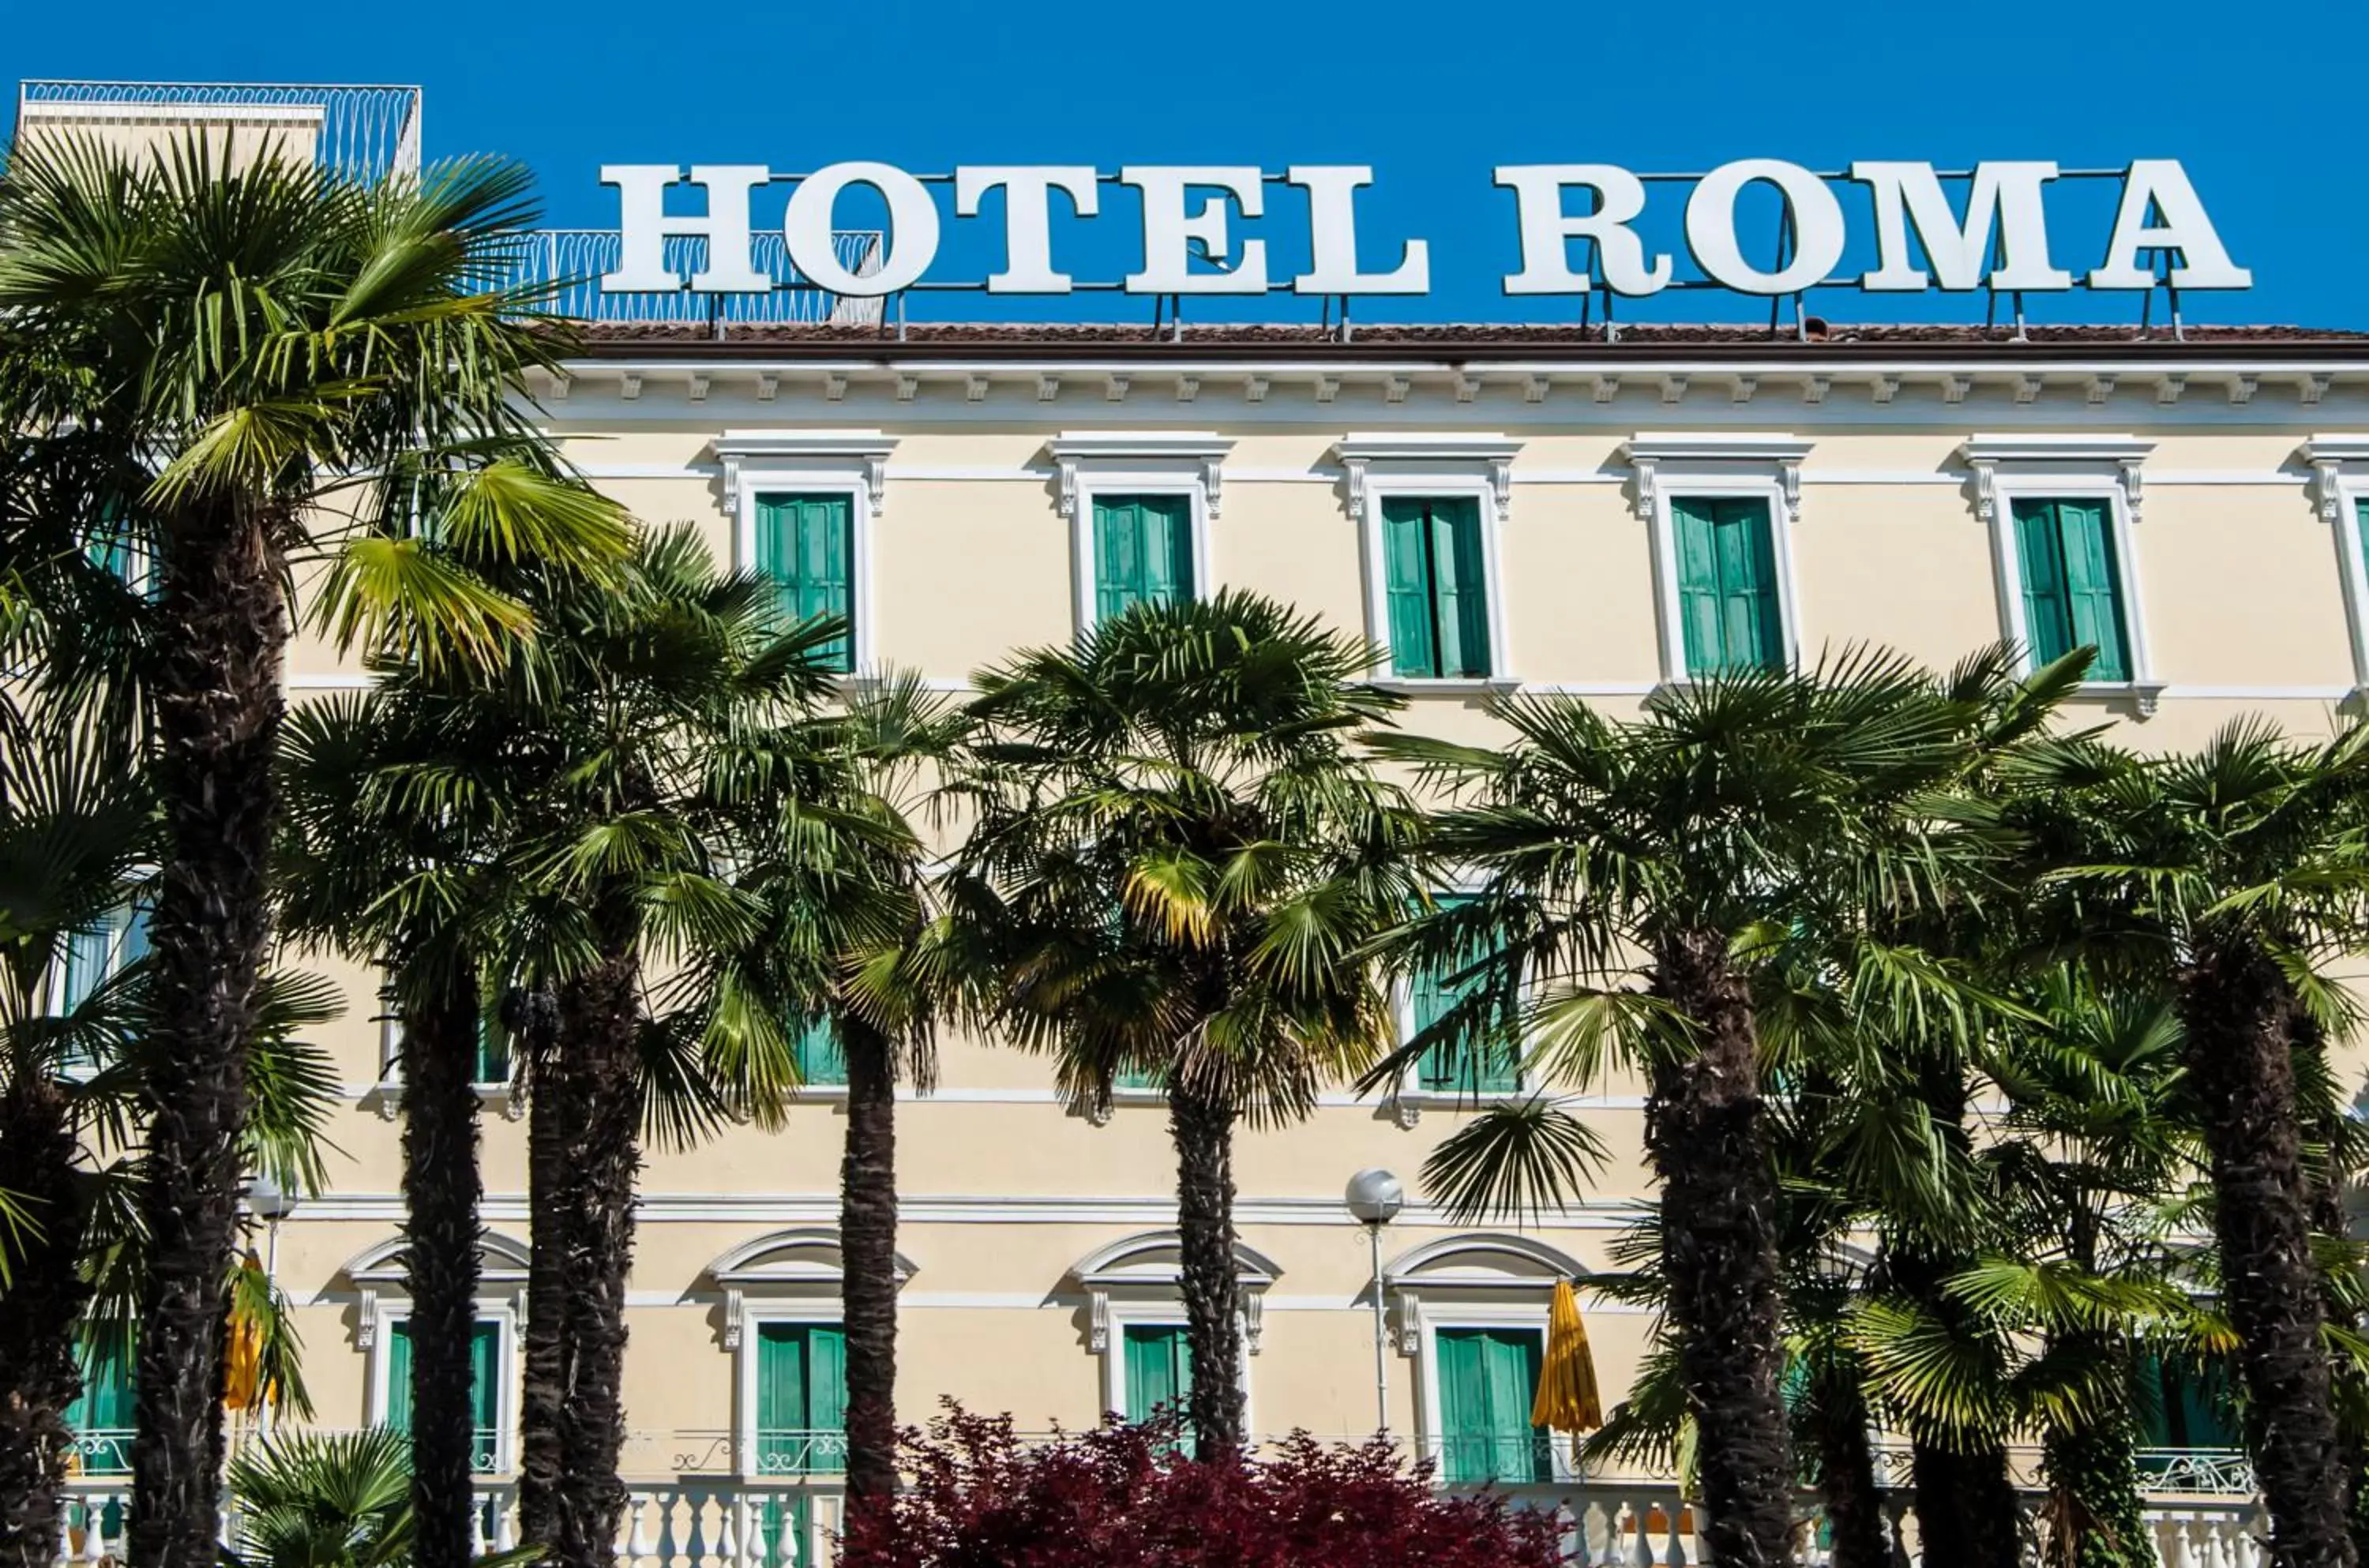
2250, 96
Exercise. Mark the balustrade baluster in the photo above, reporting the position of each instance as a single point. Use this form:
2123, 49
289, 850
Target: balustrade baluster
791, 1550
1640, 1547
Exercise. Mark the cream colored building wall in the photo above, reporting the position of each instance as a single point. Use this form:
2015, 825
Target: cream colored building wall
1004, 1189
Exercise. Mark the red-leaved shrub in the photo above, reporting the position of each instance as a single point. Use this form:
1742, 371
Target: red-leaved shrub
1121, 1497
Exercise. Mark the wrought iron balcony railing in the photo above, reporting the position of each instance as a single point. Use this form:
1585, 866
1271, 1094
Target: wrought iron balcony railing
570, 263
366, 131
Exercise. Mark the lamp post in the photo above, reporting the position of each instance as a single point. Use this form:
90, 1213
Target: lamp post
268, 1202
1374, 1197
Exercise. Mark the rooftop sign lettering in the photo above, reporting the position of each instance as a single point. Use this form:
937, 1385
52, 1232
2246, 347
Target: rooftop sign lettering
1578, 227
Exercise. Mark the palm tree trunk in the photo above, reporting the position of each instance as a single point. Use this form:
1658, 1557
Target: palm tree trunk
441, 1185
1203, 1131
2233, 1004
40, 1374
1846, 1485
552, 1110
867, 1241
2092, 1474
1707, 1129
599, 1024
1967, 1514
222, 631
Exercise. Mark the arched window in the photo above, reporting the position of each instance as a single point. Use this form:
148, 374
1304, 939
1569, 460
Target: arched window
383, 1331
1134, 1319
1471, 1311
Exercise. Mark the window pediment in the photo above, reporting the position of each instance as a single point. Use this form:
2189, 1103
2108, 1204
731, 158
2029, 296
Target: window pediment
1715, 455
384, 1271
1145, 456
1151, 1267
1488, 1267
801, 1265
2112, 457
1488, 459
861, 455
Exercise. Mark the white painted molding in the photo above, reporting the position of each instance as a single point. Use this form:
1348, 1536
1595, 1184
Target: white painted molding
2043, 453
867, 451
1490, 455
1073, 450
2331, 459
1648, 451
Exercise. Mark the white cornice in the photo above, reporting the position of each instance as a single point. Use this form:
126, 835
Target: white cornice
1201, 451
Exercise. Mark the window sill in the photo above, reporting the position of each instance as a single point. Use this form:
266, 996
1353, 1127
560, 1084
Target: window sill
1447, 686
2143, 695
1407, 1107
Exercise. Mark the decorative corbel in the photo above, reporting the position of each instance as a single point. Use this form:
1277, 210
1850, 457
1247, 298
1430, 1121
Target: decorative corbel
2242, 389
1885, 387
700, 382
736, 1317
1789, 479
2167, 388
1605, 388
769, 386
1400, 1315
1068, 467
1535, 388
1646, 479
835, 386
629, 385
1098, 1334
2100, 388
1255, 389
1098, 1112
513, 1107
1468, 386
1740, 389
908, 386
1048, 387
1674, 389
1500, 486
2027, 389
366, 1319
1254, 1314
1188, 387
2310, 389
1986, 490
2134, 489
875, 480
1955, 387
975, 387
1354, 468
1814, 389
1395, 388
1328, 387
1404, 1112
1213, 474
2331, 490
731, 484
559, 385
1114, 387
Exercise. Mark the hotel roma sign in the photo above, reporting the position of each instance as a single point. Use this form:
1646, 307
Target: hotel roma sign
1983, 228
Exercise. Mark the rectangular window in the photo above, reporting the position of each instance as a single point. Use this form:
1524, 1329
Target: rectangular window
102, 1414
1456, 1067
1728, 608
822, 1063
807, 545
2072, 582
801, 1399
484, 1388
1488, 1379
100, 950
493, 1065
1143, 551
1436, 587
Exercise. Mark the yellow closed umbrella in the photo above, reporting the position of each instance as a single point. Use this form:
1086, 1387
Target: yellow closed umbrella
1567, 1398
243, 1357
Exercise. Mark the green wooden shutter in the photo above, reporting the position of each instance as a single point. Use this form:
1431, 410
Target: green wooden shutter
1699, 619
1143, 551
1463, 615
1488, 1379
493, 1063
822, 1061
1752, 629
398, 1376
807, 545
1159, 1369
486, 1393
2093, 587
1406, 576
101, 1416
781, 1397
827, 1398
2039, 546
1450, 1067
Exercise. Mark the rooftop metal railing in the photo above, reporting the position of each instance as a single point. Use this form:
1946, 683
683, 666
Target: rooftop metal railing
571, 262
366, 131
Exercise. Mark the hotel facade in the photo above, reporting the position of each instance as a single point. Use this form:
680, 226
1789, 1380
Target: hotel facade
1499, 509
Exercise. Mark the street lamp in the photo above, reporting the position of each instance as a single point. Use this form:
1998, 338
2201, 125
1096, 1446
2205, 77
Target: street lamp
268, 1202
1374, 1197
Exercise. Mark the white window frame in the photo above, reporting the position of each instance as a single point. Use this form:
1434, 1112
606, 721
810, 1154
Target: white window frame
1475, 467
818, 1311
388, 1313
2341, 467
1121, 1290
2078, 469
814, 463
1430, 1411
389, 1087
1087, 464
1122, 1315
1766, 467
53, 975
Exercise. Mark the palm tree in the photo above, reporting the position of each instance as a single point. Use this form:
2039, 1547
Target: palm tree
1184, 859
71, 833
2233, 874
857, 940
335, 1500
1636, 877
238, 344
393, 848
